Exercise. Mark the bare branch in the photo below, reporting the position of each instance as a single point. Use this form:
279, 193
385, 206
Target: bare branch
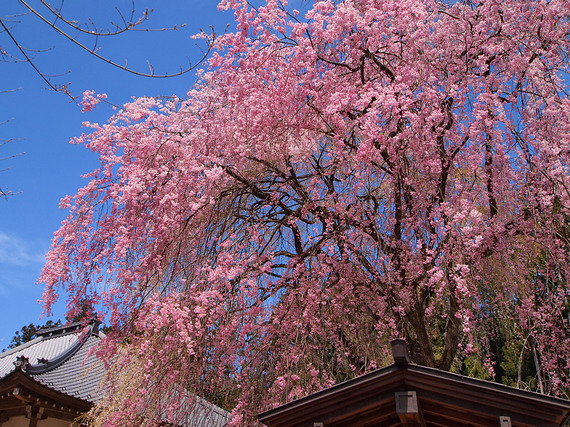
110, 62
29, 60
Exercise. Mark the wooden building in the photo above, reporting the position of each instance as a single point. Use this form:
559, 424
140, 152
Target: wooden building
404, 394
54, 379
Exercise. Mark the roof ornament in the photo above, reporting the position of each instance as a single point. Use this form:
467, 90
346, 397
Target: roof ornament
96, 323
400, 353
22, 362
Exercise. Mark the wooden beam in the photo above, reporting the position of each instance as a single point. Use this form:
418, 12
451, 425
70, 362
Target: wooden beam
18, 393
408, 409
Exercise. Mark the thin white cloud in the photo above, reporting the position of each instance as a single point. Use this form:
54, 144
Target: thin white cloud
19, 252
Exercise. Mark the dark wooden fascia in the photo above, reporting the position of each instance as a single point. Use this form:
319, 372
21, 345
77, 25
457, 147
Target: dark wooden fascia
31, 391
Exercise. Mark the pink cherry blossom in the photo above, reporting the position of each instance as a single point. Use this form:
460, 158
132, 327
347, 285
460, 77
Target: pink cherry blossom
340, 176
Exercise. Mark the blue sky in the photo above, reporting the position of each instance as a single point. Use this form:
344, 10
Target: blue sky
42, 122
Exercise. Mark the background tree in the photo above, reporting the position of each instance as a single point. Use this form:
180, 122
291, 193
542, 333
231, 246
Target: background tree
366, 170
29, 332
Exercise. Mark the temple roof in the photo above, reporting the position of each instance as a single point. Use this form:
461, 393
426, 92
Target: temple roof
59, 359
57, 375
413, 395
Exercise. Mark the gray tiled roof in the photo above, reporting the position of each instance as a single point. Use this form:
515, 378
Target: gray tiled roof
80, 376
197, 412
41, 347
69, 369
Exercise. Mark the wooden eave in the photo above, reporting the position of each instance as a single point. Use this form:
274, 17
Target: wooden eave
444, 399
19, 392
